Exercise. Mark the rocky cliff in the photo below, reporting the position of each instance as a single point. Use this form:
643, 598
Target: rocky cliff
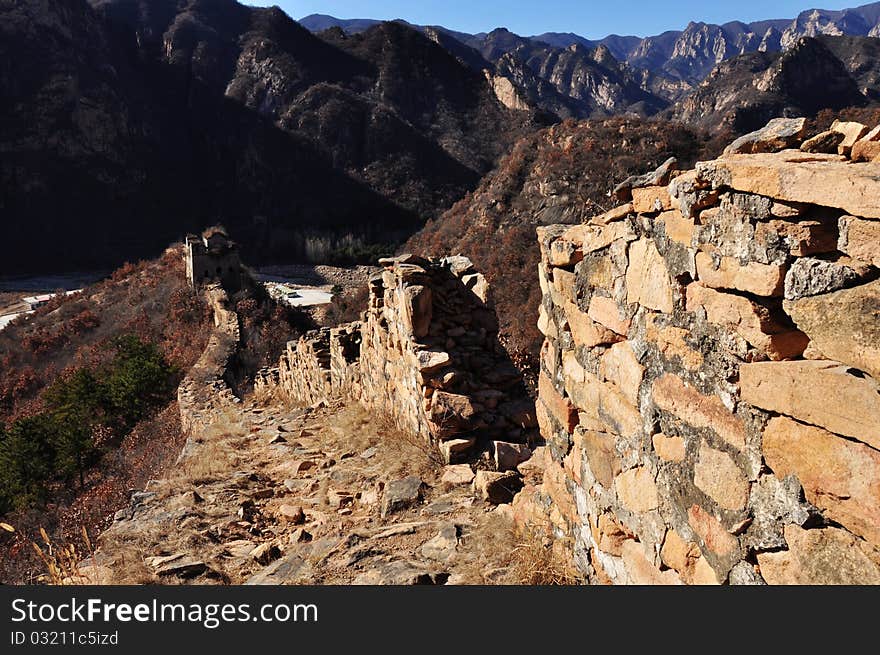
813, 74
708, 389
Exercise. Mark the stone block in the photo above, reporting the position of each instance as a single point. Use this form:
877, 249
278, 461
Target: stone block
840, 477
669, 449
620, 366
860, 239
607, 312
647, 278
650, 200
671, 394
821, 393
636, 490
755, 278
753, 322
719, 477
843, 325
827, 556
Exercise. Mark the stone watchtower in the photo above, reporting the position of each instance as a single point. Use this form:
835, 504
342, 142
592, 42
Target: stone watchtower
211, 258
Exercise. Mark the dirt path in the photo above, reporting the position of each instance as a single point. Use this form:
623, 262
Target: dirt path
321, 495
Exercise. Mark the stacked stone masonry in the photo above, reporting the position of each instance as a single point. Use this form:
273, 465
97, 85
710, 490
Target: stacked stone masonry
204, 394
709, 379
425, 354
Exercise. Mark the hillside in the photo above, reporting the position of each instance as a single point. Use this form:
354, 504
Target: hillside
88, 402
562, 174
182, 114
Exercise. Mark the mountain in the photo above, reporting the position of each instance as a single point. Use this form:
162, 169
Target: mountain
743, 93
178, 114
685, 56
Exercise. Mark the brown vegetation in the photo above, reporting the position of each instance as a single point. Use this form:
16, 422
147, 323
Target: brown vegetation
563, 174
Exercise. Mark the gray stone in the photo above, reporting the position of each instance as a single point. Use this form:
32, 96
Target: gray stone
400, 494
826, 142
181, 566
778, 134
286, 570
745, 574
812, 277
443, 545
774, 503
659, 177
399, 573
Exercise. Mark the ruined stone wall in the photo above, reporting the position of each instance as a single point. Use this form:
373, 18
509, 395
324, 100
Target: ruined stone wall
203, 394
708, 388
425, 354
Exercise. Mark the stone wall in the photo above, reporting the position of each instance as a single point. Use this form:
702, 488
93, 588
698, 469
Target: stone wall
425, 353
708, 389
203, 394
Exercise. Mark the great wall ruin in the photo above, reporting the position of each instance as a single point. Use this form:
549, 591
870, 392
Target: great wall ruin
707, 407
426, 354
708, 386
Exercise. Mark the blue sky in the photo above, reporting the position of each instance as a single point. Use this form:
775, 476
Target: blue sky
586, 17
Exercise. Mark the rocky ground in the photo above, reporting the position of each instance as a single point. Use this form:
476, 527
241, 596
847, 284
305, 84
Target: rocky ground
320, 495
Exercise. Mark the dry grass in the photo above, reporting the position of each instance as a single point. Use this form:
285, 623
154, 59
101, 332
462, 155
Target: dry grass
414, 455
499, 553
537, 563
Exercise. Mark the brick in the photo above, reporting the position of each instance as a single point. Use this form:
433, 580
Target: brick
620, 366
636, 490
669, 449
821, 393
555, 486
860, 239
647, 278
852, 132
546, 325
565, 284
755, 278
751, 321
703, 573
679, 554
651, 199
558, 407
866, 151
617, 413
840, 477
606, 312
671, 394
564, 253
709, 529
718, 476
